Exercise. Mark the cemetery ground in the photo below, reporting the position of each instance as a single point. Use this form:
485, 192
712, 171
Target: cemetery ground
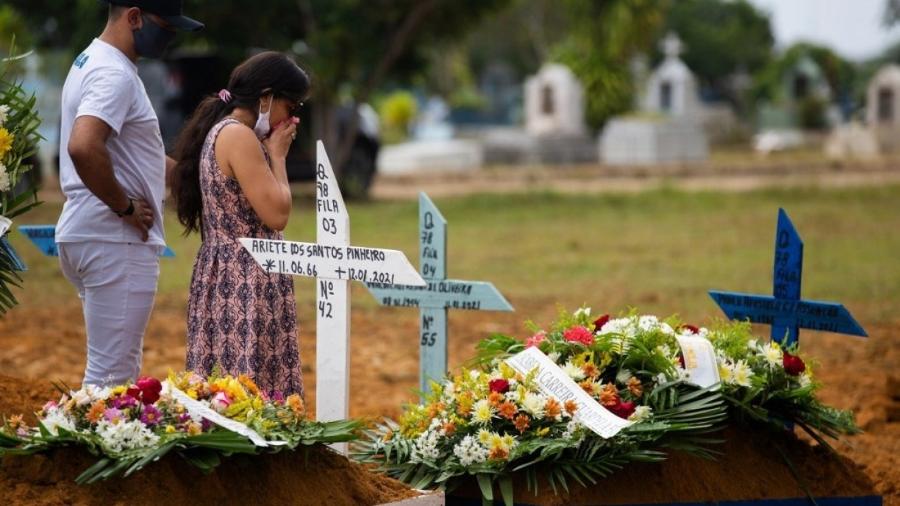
659, 250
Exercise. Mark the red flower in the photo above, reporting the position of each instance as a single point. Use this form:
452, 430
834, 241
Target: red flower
133, 391
693, 328
499, 385
622, 409
150, 388
579, 334
600, 322
793, 364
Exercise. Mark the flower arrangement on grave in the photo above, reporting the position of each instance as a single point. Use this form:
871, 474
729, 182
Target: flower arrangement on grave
201, 419
19, 137
492, 420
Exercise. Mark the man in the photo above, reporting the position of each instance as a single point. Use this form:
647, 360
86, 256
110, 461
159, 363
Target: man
112, 171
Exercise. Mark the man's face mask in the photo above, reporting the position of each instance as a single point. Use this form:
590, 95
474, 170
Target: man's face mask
151, 39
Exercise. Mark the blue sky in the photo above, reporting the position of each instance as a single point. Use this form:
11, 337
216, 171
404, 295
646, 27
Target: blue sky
851, 27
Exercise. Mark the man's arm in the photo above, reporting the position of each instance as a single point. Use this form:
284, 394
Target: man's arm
87, 148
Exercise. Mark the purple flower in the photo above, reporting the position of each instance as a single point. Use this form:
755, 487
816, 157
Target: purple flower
151, 416
205, 425
124, 402
278, 396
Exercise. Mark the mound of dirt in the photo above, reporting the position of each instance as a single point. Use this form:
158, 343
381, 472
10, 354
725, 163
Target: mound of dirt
306, 476
752, 466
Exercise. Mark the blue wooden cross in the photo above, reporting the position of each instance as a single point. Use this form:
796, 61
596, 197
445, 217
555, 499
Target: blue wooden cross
440, 294
44, 237
786, 312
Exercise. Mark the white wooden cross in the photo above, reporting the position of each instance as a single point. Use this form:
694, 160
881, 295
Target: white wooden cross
335, 263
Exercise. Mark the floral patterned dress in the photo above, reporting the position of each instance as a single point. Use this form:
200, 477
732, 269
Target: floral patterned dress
240, 317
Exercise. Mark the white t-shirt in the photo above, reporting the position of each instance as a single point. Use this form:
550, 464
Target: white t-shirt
104, 83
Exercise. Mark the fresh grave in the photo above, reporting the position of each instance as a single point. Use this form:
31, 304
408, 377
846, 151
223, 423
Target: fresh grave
310, 474
438, 296
644, 386
516, 429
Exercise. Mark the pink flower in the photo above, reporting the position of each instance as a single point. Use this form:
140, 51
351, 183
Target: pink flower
536, 339
579, 334
50, 405
151, 416
113, 415
220, 402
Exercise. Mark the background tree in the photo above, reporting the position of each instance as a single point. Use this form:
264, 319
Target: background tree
721, 39
351, 47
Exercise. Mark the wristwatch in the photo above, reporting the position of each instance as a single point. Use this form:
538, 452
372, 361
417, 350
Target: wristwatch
128, 211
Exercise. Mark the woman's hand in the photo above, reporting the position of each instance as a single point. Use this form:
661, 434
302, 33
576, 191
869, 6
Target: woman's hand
279, 141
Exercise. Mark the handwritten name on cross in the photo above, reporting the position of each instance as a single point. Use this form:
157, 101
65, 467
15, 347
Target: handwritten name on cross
440, 294
334, 262
786, 312
44, 237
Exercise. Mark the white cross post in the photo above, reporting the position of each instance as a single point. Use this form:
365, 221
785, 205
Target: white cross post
334, 262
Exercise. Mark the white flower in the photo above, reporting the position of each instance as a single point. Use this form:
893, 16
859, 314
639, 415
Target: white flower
534, 404
572, 429
667, 329
573, 371
474, 374
122, 436
56, 417
583, 312
741, 373
554, 356
426, 446
752, 344
4, 179
4, 114
88, 394
449, 389
773, 355
805, 380
648, 322
640, 414
469, 451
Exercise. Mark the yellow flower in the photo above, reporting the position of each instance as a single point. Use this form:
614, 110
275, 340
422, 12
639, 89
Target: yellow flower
506, 371
483, 412
170, 429
119, 390
543, 432
6, 141
484, 436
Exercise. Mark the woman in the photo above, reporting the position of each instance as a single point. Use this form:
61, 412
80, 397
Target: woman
231, 182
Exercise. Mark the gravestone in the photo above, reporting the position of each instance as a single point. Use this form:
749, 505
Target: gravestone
883, 107
554, 103
334, 263
438, 296
44, 237
668, 128
785, 311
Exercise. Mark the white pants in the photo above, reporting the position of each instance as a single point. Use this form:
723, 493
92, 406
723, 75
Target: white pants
117, 284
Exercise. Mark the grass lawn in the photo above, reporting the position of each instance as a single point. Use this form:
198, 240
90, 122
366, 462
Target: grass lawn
659, 250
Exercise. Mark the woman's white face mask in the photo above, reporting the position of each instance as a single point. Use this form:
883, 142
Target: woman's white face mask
262, 126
